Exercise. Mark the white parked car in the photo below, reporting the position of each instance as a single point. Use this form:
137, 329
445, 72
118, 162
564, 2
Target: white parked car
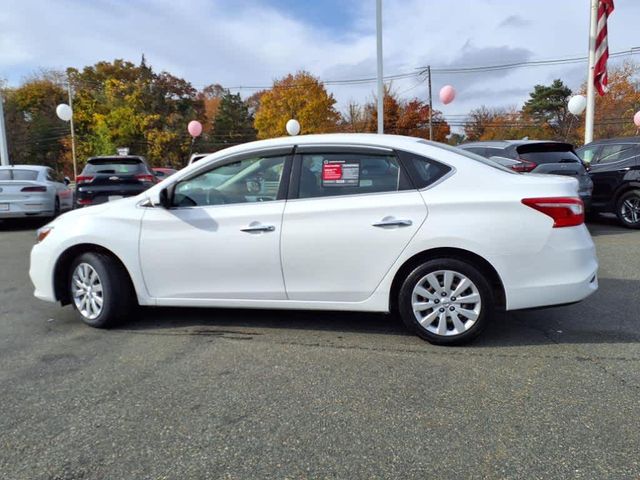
33, 191
329, 222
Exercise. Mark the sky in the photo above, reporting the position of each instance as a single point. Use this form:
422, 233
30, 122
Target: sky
249, 43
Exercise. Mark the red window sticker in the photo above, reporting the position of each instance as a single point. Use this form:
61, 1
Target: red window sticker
331, 171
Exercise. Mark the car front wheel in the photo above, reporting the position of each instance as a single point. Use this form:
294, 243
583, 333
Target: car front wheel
446, 301
100, 290
628, 209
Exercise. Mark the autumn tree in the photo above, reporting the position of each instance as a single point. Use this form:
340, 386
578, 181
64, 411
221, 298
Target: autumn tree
614, 110
496, 124
35, 135
301, 96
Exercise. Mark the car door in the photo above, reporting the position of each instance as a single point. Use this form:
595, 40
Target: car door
65, 194
608, 169
221, 237
350, 214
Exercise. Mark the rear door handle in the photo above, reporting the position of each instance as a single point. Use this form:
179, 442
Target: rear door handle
393, 223
258, 228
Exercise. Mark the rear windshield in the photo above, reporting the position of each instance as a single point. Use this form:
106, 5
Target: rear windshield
15, 174
113, 165
541, 153
471, 155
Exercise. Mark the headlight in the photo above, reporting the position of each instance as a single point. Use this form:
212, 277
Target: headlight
42, 233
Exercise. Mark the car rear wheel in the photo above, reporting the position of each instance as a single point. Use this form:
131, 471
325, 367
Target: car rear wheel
56, 207
628, 209
446, 301
100, 290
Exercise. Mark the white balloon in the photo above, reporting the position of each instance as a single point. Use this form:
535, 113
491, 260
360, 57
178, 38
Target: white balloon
64, 112
577, 104
293, 127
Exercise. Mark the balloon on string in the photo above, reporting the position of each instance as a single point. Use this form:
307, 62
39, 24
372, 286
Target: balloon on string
194, 128
447, 94
636, 119
577, 104
293, 127
64, 112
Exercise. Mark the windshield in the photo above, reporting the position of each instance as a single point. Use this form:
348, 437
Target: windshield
112, 165
16, 174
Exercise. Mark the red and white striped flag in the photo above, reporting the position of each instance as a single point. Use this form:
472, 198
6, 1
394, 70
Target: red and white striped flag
605, 8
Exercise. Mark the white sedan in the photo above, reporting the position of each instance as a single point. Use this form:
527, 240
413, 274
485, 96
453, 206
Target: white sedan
352, 222
33, 191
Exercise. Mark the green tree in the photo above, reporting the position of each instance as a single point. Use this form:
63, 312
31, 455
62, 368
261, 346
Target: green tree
547, 106
233, 123
301, 96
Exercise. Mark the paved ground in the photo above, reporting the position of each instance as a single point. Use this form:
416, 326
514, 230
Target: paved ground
186, 394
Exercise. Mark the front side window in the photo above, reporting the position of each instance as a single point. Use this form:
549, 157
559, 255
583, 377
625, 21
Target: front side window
245, 181
332, 174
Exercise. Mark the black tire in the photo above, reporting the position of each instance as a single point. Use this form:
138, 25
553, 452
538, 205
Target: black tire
56, 207
118, 297
459, 267
632, 196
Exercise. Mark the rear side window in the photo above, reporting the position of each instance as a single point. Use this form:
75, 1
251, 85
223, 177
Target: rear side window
112, 165
541, 153
424, 171
615, 152
17, 174
332, 174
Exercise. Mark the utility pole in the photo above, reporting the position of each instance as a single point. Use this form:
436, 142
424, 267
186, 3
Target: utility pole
430, 104
4, 153
379, 53
73, 135
591, 94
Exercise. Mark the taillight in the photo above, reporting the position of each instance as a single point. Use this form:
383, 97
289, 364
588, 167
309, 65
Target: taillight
84, 179
34, 189
84, 201
565, 211
143, 177
524, 166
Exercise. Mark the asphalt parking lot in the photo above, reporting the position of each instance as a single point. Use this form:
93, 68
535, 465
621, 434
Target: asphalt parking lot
182, 394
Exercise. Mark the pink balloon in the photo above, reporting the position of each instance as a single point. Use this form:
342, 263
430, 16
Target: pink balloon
447, 94
636, 119
195, 128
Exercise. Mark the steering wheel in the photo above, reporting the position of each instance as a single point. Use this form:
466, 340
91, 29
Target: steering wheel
215, 197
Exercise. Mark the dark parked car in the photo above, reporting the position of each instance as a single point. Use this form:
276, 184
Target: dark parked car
614, 166
537, 156
112, 177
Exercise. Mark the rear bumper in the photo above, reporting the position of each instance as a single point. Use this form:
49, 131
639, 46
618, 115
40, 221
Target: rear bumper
40, 206
563, 271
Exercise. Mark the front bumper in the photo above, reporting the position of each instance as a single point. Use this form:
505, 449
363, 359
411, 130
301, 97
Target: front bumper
41, 271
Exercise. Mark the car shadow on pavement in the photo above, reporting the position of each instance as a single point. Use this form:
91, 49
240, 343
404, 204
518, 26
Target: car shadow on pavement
22, 224
593, 321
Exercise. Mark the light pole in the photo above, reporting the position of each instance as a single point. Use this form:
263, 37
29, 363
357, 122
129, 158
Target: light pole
379, 54
4, 154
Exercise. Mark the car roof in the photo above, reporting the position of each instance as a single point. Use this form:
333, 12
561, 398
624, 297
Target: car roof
38, 168
116, 157
507, 143
634, 139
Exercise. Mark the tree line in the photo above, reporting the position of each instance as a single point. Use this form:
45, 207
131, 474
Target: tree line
122, 104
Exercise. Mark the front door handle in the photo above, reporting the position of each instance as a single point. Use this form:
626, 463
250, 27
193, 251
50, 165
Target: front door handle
392, 222
258, 228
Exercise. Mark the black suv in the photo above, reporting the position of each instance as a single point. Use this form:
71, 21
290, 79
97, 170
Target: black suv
112, 177
537, 156
614, 167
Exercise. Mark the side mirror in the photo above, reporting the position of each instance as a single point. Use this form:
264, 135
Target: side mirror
165, 198
67, 180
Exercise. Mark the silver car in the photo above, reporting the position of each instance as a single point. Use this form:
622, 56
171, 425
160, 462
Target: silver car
33, 191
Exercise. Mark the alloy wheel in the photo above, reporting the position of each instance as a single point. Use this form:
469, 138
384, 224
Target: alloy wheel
446, 303
87, 291
630, 210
